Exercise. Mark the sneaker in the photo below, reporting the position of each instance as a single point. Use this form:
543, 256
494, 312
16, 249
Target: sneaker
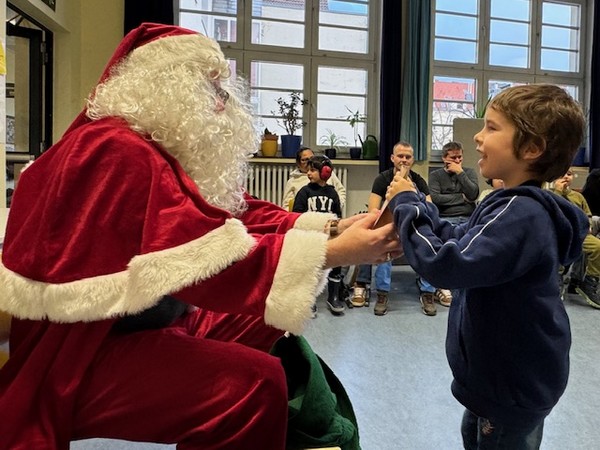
443, 297
428, 303
588, 289
359, 298
381, 307
313, 310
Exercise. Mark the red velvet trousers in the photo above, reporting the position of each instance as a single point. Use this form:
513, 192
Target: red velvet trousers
207, 382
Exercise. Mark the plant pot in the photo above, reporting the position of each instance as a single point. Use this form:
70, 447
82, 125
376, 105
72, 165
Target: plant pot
268, 148
331, 153
290, 144
355, 152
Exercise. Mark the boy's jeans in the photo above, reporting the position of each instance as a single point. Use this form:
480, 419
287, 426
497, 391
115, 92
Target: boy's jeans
383, 275
480, 434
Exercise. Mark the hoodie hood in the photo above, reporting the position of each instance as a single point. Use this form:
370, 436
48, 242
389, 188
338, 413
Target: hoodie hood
572, 224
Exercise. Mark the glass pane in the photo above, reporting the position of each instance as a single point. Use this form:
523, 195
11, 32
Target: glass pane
283, 34
265, 105
228, 7
232, 66
337, 79
562, 61
456, 51
512, 9
451, 88
338, 106
564, 38
449, 25
343, 40
287, 10
561, 14
509, 56
495, 86
346, 13
277, 75
441, 134
341, 129
464, 6
221, 28
573, 91
509, 32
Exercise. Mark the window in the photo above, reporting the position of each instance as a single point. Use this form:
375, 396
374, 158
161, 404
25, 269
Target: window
325, 50
482, 47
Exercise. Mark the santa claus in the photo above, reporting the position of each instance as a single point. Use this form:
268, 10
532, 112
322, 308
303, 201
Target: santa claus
145, 286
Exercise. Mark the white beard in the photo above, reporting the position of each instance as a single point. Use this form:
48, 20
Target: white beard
215, 155
168, 94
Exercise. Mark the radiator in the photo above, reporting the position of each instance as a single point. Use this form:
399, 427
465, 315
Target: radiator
267, 181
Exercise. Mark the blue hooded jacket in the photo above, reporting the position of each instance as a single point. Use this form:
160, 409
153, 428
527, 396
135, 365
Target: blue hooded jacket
508, 332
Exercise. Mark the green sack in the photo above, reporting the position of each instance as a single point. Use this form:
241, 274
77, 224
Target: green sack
320, 412
370, 147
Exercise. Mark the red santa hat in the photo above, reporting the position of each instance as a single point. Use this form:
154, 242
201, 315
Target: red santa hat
142, 35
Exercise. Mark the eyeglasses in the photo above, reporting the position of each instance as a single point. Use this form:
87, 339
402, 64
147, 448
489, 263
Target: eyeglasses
222, 93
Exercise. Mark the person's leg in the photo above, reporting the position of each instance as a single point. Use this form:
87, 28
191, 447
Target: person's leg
588, 287
334, 295
383, 280
180, 385
493, 436
364, 274
383, 276
426, 297
468, 430
363, 278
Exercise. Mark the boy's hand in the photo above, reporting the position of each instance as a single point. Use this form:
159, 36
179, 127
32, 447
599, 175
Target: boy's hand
399, 184
360, 244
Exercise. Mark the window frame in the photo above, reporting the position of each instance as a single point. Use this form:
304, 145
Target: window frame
244, 51
482, 71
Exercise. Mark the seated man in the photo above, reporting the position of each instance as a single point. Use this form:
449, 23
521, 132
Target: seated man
402, 156
454, 188
588, 287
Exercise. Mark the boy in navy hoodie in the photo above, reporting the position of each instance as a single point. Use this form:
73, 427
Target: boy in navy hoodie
508, 332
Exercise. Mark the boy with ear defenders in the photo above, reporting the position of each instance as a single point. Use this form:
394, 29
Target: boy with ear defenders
319, 196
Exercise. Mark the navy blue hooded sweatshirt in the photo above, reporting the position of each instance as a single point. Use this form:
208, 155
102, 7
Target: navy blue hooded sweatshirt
508, 332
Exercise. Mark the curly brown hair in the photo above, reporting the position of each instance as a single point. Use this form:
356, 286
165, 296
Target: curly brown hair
546, 116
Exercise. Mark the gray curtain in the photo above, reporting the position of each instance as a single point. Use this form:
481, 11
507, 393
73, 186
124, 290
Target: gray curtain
415, 89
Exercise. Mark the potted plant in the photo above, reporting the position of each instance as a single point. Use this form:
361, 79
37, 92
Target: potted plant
333, 141
290, 118
268, 146
354, 118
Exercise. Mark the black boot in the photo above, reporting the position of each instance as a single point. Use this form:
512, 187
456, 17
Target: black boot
334, 302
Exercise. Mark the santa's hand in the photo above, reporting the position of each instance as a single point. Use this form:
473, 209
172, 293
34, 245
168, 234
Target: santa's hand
345, 223
360, 244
